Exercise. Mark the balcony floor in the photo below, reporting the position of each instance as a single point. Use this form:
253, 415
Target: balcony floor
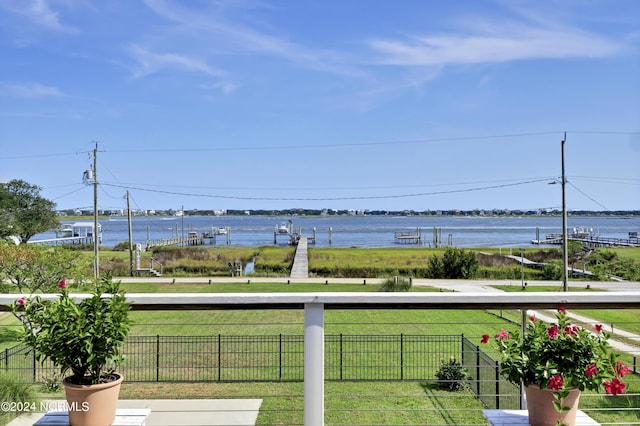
187, 412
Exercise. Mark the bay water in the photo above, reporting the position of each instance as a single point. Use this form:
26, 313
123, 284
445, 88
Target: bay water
360, 231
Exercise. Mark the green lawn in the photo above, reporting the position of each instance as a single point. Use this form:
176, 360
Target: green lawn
624, 319
401, 403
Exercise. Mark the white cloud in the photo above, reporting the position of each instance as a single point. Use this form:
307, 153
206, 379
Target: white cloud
31, 90
226, 87
150, 62
230, 36
38, 12
502, 43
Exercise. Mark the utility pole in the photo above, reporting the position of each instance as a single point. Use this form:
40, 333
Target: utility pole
182, 239
130, 235
565, 248
96, 262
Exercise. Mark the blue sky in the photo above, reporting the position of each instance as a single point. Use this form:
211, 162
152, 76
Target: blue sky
357, 104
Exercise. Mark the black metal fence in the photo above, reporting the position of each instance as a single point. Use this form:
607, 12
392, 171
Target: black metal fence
485, 380
221, 358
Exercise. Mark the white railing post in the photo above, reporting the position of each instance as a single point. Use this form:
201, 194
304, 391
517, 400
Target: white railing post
314, 364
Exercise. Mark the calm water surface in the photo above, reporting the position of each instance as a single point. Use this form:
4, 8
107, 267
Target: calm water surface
359, 231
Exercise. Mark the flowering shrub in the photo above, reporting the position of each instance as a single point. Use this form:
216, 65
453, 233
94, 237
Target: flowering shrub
560, 356
83, 337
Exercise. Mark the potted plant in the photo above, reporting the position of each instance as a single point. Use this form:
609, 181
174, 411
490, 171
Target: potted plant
557, 361
84, 338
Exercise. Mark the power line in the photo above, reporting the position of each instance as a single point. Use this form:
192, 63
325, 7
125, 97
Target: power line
597, 202
348, 188
336, 145
312, 146
420, 194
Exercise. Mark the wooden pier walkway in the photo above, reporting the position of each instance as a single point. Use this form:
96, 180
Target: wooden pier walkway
300, 268
192, 239
63, 240
590, 241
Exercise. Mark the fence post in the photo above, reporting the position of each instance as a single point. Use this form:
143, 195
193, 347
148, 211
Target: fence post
401, 356
157, 357
6, 359
219, 357
34, 367
497, 385
340, 356
478, 370
280, 356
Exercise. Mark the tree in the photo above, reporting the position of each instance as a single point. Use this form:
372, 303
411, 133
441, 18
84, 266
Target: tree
35, 268
24, 212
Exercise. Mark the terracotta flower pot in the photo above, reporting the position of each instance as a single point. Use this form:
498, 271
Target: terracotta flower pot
92, 405
541, 409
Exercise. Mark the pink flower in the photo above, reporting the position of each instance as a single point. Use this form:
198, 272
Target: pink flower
591, 370
556, 383
561, 309
502, 335
21, 301
571, 330
614, 387
621, 369
598, 327
485, 338
62, 283
553, 331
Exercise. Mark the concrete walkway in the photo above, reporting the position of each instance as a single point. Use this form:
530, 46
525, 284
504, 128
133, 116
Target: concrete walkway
300, 267
184, 412
548, 316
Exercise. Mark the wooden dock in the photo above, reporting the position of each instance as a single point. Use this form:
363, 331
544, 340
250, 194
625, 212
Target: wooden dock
590, 241
408, 237
63, 240
192, 239
300, 268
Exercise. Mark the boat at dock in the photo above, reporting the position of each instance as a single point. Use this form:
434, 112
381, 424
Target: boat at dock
283, 229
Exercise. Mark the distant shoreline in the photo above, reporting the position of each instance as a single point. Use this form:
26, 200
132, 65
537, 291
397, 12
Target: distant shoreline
462, 214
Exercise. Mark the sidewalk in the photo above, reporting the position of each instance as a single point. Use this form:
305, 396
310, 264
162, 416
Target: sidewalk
184, 412
480, 286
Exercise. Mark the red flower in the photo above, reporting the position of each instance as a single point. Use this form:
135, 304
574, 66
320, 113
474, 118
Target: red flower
556, 383
591, 370
532, 318
553, 331
614, 387
21, 301
485, 338
502, 335
598, 327
62, 283
562, 309
621, 369
571, 330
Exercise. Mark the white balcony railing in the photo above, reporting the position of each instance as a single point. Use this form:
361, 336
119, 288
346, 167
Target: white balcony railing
315, 304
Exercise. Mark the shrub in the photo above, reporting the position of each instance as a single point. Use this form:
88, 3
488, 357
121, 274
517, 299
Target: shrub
552, 270
395, 284
455, 263
451, 375
435, 268
12, 390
